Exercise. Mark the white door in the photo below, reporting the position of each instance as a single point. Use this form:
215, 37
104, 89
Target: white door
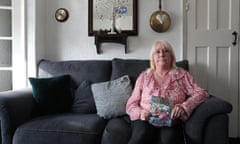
214, 60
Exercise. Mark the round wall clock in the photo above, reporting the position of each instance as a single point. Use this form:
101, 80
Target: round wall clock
61, 14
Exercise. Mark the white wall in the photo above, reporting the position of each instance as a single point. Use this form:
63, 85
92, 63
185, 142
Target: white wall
70, 40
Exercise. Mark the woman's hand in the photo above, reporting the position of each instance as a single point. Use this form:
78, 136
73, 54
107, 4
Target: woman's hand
177, 112
144, 115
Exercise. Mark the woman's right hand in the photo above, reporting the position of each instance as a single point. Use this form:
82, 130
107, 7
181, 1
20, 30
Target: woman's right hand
144, 115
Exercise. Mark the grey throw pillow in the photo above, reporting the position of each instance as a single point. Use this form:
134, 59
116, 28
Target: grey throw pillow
111, 97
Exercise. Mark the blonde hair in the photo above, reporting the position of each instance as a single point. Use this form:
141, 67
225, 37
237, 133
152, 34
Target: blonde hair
168, 47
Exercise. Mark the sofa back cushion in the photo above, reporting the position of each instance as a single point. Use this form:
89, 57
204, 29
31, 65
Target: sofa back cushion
183, 64
80, 70
133, 67
130, 67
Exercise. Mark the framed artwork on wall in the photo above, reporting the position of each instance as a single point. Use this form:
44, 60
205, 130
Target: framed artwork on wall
106, 15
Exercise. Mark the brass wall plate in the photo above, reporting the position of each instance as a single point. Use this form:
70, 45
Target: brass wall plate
61, 14
160, 21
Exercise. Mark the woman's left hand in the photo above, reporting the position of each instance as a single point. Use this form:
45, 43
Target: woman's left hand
177, 112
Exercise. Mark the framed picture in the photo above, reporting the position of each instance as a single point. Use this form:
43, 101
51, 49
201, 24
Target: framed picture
103, 14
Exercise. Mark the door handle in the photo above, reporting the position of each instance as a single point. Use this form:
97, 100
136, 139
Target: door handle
234, 38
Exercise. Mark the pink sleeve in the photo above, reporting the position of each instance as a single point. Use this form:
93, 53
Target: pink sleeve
196, 95
132, 108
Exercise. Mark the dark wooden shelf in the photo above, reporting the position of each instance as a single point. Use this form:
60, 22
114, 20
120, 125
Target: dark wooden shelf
110, 38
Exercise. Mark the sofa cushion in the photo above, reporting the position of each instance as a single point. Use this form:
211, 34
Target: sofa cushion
130, 67
61, 129
52, 95
117, 131
183, 64
83, 100
79, 70
111, 96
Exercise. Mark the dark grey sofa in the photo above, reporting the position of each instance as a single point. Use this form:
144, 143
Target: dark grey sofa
207, 125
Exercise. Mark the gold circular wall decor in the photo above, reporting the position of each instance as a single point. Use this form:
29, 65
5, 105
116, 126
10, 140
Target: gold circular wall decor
160, 20
61, 14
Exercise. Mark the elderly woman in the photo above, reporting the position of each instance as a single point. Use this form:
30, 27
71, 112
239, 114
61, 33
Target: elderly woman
166, 80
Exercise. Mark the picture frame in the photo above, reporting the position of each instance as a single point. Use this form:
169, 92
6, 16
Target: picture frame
102, 12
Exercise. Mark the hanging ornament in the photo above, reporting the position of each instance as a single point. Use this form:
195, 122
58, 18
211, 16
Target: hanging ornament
160, 20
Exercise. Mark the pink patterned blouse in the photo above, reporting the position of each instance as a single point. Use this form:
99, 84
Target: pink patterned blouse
178, 85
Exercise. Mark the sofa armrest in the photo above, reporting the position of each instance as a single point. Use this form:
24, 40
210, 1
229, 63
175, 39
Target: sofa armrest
15, 108
194, 126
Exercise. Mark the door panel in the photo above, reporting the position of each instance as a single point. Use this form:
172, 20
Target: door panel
212, 57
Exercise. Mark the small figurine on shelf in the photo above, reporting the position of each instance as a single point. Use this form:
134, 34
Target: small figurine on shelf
114, 29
